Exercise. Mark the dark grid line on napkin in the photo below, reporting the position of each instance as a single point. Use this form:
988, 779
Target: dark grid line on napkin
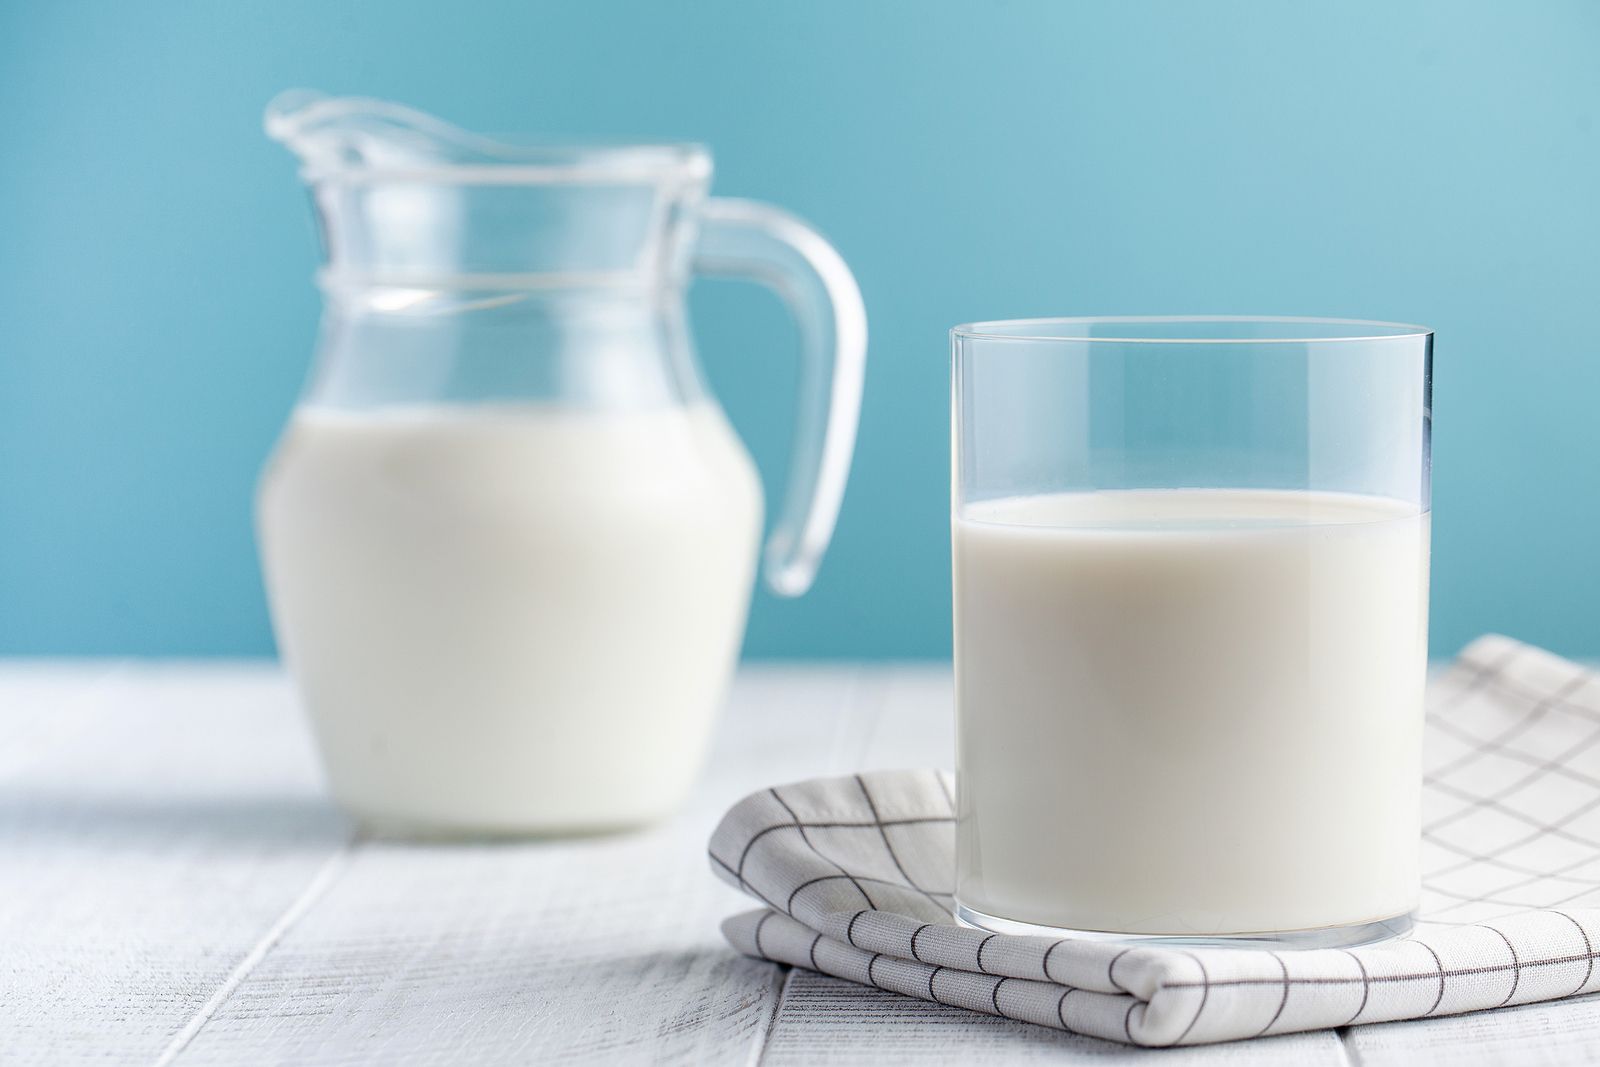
1508, 907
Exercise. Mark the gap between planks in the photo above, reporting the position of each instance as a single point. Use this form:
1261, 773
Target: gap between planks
320, 883
1347, 1050
758, 1052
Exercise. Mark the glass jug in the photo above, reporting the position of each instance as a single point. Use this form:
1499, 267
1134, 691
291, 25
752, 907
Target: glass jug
508, 535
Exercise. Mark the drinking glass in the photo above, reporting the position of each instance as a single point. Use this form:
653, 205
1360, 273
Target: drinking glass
1191, 584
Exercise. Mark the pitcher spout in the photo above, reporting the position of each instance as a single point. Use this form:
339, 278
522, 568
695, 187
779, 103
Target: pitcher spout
354, 136
408, 199
340, 135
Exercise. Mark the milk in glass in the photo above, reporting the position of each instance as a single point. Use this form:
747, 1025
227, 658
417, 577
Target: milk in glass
1190, 712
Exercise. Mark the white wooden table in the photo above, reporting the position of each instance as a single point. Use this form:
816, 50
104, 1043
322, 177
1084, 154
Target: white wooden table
174, 889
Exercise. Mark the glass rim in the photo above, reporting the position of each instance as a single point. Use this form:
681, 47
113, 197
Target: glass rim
1077, 329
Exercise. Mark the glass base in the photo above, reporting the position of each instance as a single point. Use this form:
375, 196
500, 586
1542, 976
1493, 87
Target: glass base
1350, 936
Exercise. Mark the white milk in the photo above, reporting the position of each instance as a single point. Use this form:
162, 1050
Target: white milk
510, 618
1190, 711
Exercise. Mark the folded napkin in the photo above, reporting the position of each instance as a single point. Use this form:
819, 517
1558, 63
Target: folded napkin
855, 874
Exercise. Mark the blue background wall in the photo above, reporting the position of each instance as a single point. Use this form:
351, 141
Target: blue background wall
1431, 162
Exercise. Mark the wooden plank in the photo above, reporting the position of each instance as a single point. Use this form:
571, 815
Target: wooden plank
917, 724
1554, 1034
832, 1022
155, 824
45, 702
585, 951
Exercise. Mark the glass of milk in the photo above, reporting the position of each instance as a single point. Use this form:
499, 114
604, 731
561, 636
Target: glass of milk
1191, 590
508, 534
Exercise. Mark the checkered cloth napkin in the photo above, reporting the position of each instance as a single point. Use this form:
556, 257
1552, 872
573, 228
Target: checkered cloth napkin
855, 875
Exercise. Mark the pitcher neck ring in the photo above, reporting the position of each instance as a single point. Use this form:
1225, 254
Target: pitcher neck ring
342, 282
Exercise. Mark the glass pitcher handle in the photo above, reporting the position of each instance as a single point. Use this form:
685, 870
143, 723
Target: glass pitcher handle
762, 243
